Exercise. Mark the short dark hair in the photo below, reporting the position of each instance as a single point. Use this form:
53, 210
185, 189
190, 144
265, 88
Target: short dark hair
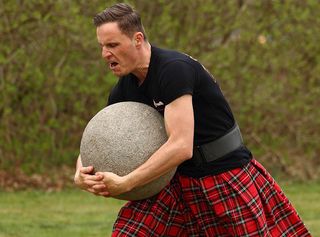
128, 19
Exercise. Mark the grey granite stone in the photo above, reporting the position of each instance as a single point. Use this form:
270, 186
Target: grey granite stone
120, 138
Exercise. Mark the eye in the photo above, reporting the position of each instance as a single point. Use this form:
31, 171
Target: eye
112, 45
108, 46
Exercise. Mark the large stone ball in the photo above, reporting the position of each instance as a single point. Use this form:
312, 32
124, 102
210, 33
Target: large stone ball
120, 138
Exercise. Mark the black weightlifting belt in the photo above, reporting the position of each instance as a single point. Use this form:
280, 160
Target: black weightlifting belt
218, 148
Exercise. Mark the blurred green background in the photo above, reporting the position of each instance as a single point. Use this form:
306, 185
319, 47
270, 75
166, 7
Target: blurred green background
265, 55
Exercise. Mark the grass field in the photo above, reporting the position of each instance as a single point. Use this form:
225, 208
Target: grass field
76, 213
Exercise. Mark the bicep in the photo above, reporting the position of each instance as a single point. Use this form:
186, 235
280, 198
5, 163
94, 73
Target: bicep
179, 120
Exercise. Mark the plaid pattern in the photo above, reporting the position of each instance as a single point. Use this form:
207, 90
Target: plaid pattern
241, 202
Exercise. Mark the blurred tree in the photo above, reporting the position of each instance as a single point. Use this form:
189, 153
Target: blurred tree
265, 55
52, 80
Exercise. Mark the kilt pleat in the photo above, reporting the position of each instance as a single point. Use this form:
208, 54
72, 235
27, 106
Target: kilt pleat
241, 202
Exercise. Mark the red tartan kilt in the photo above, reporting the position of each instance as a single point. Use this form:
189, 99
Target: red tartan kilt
241, 202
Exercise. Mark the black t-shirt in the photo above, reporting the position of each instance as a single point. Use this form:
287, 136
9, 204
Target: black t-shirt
172, 74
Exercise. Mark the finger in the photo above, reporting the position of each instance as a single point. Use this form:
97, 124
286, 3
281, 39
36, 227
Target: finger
105, 173
91, 177
99, 187
86, 170
91, 190
91, 183
99, 176
104, 194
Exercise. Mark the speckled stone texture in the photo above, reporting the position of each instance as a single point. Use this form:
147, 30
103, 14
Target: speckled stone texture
120, 138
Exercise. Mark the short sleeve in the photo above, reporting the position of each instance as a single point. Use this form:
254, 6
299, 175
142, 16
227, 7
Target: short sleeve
177, 79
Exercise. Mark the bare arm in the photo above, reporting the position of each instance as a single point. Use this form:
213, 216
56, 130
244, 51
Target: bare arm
179, 122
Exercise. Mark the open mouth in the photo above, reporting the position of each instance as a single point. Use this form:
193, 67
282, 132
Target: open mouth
113, 65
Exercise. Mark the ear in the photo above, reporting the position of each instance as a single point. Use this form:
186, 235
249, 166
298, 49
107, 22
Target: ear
138, 39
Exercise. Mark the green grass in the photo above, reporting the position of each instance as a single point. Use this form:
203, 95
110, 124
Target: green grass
305, 198
76, 213
67, 213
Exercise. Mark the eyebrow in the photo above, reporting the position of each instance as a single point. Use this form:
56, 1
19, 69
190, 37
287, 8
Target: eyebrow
109, 44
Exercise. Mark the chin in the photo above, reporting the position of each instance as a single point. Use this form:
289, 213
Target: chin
120, 74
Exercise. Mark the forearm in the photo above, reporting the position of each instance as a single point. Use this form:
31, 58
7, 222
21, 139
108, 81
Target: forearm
166, 158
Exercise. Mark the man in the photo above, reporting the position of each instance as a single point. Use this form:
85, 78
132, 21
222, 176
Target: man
219, 189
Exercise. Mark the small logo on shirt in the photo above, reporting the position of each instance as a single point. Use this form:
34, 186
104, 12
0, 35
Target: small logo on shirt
158, 104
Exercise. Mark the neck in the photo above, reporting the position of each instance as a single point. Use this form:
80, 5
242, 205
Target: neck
142, 67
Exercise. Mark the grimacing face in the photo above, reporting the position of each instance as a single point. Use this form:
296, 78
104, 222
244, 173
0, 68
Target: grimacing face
117, 49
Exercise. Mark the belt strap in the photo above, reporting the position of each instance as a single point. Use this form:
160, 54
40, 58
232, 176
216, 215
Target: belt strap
218, 148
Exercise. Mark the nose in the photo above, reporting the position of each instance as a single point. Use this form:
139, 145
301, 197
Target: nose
105, 53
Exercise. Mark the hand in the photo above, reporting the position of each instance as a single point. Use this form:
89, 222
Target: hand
85, 180
113, 184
